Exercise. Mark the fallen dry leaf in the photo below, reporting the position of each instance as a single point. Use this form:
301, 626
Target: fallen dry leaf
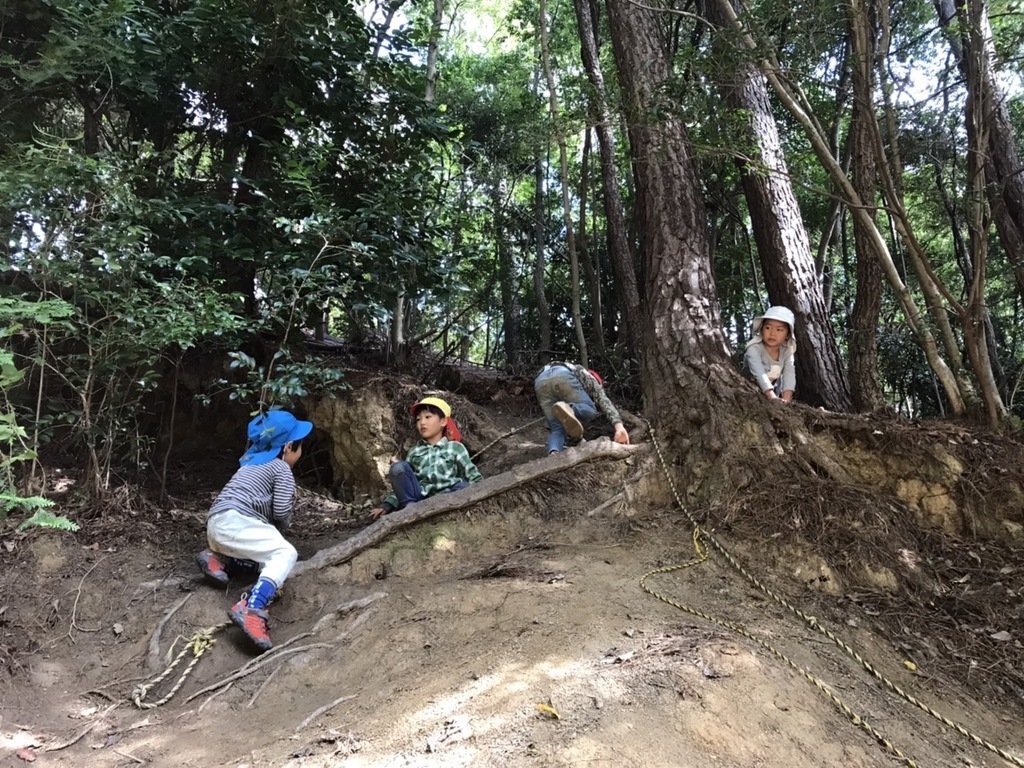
26, 754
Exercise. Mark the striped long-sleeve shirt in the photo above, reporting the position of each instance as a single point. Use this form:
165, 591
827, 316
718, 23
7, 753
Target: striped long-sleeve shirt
438, 467
264, 492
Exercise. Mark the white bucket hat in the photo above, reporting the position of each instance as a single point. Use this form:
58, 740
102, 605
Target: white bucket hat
782, 314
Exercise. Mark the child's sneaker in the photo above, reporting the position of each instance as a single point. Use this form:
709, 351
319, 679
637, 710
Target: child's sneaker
567, 418
253, 622
213, 566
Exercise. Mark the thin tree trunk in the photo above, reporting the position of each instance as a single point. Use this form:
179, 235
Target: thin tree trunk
433, 45
597, 334
865, 385
539, 266
619, 251
506, 281
1005, 171
977, 111
563, 179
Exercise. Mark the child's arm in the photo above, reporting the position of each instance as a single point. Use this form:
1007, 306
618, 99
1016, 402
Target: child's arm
788, 377
284, 496
386, 507
466, 468
752, 357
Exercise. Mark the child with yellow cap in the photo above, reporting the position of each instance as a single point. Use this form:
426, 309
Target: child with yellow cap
436, 464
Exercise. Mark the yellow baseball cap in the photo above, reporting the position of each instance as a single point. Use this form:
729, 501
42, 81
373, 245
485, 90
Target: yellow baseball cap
437, 402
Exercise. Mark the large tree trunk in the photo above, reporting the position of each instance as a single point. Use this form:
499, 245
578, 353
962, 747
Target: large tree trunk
864, 381
689, 381
621, 255
782, 242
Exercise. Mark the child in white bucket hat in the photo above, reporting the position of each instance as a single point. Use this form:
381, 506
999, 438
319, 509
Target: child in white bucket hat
769, 356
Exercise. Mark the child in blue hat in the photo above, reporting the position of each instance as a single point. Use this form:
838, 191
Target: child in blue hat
248, 516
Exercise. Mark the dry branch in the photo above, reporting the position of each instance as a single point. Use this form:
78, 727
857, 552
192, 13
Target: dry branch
322, 711
448, 502
153, 660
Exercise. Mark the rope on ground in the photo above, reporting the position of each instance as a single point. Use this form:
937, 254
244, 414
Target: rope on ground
700, 535
200, 642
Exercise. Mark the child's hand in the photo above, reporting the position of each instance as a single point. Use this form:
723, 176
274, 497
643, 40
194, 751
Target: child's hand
621, 435
377, 512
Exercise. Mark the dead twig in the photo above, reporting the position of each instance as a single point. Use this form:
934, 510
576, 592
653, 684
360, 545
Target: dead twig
138, 760
322, 711
82, 733
153, 660
78, 595
263, 685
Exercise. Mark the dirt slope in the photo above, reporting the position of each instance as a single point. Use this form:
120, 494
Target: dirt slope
476, 622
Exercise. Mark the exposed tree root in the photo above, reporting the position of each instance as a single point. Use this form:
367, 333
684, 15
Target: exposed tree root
153, 659
282, 651
448, 502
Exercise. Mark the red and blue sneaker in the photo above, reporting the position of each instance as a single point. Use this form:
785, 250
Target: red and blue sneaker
213, 565
254, 622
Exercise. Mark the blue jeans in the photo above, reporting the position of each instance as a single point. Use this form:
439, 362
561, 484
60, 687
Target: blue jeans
407, 486
558, 384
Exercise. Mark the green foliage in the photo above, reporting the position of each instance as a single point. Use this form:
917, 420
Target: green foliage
283, 380
15, 315
43, 518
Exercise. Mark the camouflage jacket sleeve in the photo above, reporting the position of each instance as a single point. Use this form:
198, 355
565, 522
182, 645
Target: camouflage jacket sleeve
596, 392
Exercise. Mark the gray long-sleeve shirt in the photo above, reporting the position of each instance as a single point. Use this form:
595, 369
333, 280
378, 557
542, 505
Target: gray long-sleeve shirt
767, 371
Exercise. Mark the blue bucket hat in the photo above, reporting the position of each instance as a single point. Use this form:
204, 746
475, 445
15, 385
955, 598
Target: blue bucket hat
269, 433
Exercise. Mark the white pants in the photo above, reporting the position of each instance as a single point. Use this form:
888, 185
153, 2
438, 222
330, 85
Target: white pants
232, 533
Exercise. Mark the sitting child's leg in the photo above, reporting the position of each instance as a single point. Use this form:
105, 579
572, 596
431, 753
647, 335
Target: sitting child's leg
405, 483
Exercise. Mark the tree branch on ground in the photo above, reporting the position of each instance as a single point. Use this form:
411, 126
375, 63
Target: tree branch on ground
449, 502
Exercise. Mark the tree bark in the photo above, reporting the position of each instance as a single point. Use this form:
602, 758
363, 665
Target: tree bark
689, 381
782, 241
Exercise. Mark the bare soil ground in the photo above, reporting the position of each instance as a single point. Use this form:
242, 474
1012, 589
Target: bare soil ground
514, 634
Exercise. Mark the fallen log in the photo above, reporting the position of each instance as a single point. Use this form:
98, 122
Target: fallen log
448, 502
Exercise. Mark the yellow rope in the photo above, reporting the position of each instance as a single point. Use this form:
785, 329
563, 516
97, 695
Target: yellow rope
200, 642
702, 554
